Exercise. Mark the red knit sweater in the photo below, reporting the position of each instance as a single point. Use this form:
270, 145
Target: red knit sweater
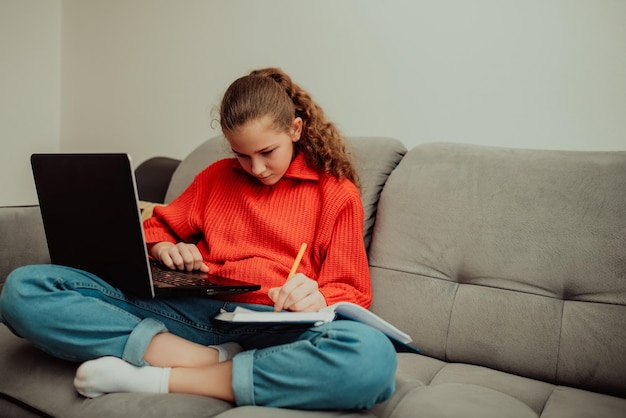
245, 229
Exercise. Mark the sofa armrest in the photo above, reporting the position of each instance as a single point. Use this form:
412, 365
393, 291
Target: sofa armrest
22, 238
153, 178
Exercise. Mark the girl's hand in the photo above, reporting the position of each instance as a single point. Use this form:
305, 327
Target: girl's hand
180, 256
299, 294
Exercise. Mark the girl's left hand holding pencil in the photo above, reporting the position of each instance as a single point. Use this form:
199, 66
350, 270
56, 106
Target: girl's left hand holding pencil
298, 294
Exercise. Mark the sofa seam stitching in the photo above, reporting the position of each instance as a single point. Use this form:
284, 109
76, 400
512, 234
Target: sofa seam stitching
543, 408
445, 349
558, 346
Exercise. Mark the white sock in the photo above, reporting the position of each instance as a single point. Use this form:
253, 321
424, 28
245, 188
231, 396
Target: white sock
111, 374
227, 350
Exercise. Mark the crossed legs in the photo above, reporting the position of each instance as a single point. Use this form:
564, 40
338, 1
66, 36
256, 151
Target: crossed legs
177, 366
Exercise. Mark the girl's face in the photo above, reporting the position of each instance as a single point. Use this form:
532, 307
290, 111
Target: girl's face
262, 151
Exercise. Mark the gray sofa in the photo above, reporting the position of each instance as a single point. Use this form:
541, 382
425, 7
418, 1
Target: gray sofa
506, 266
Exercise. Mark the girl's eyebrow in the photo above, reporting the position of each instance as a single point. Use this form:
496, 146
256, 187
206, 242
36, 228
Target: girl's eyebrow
262, 150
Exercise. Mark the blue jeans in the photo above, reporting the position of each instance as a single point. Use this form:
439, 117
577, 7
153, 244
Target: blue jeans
75, 315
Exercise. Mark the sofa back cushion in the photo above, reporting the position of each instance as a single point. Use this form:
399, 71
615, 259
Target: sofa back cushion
508, 258
374, 158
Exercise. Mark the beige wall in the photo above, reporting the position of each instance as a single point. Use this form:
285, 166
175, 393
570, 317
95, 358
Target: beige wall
30, 91
141, 76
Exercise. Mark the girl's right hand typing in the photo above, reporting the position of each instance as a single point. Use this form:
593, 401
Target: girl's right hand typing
180, 256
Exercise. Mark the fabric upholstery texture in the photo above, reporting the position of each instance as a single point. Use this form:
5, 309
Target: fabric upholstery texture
515, 257
22, 238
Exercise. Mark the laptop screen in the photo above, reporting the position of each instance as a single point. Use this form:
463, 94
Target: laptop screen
91, 217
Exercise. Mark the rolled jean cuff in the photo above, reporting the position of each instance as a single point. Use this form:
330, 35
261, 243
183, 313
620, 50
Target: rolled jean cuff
140, 338
243, 382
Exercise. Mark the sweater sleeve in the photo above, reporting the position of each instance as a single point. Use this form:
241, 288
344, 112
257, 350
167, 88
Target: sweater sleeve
174, 221
344, 275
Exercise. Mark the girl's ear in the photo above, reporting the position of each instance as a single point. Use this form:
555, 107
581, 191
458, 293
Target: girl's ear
296, 129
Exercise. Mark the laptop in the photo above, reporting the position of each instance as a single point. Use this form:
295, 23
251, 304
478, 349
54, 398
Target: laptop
91, 217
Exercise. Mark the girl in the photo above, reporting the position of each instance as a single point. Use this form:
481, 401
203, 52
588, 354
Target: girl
291, 182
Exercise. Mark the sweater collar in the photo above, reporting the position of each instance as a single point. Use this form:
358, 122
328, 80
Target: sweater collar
298, 169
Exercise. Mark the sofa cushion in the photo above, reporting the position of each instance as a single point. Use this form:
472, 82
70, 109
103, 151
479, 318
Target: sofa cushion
452, 400
439, 389
508, 258
205, 154
22, 238
264, 412
374, 159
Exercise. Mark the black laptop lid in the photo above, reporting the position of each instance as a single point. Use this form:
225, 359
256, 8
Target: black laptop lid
91, 218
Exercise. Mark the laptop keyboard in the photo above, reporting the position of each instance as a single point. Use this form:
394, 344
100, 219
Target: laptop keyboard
176, 278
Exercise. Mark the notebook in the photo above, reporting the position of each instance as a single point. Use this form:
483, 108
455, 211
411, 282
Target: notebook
91, 217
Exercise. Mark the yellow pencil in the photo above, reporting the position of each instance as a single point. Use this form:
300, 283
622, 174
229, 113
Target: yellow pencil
296, 262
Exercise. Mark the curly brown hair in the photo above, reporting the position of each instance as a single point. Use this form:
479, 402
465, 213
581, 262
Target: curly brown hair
270, 92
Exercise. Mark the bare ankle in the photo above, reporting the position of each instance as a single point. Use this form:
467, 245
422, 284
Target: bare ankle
168, 350
214, 381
